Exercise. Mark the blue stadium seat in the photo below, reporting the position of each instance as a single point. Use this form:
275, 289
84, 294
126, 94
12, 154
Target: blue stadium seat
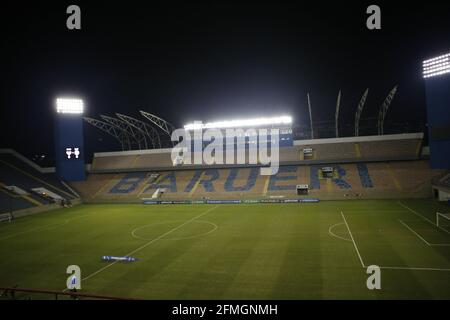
277, 177
229, 183
314, 178
168, 182
341, 183
207, 184
366, 181
129, 183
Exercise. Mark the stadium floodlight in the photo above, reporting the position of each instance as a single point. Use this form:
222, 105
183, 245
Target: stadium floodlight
436, 66
69, 105
240, 123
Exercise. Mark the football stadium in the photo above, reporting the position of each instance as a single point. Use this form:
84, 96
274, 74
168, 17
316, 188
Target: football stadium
234, 207
196, 231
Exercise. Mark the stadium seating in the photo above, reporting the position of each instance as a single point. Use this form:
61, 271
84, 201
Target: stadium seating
374, 180
10, 203
327, 151
324, 151
376, 167
399, 149
15, 172
444, 181
118, 162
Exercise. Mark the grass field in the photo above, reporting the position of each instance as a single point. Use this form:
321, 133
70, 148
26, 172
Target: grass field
270, 251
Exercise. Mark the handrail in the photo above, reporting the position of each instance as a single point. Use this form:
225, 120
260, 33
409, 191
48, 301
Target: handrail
72, 294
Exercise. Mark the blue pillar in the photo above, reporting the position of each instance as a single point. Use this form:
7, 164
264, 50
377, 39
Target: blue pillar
69, 147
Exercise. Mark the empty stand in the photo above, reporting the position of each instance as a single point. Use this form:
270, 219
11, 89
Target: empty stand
339, 150
375, 180
363, 167
397, 149
15, 172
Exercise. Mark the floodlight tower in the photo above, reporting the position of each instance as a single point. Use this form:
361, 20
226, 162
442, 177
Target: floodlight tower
436, 74
69, 146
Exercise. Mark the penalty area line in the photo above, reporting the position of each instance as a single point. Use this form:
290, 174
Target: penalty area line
421, 216
414, 232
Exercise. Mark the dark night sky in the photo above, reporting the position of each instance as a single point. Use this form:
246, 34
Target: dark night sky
195, 60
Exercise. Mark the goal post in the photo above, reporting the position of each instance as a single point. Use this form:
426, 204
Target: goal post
443, 220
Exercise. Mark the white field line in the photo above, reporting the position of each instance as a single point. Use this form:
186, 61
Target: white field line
149, 243
415, 268
423, 239
34, 229
372, 210
335, 235
445, 215
215, 227
353, 240
418, 235
421, 216
397, 268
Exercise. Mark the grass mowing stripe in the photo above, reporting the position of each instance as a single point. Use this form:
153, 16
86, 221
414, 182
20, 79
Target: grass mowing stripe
263, 251
66, 221
33, 230
353, 240
150, 242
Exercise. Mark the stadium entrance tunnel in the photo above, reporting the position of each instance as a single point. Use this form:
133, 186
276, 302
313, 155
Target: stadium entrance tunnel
195, 229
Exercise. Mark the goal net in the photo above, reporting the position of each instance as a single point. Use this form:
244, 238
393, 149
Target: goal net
443, 220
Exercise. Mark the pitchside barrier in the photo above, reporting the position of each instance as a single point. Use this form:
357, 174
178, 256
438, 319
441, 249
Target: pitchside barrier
155, 202
14, 293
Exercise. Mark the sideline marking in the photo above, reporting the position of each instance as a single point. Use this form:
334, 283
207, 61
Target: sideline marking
353, 240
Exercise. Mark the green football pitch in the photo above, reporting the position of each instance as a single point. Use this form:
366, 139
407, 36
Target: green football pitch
246, 251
